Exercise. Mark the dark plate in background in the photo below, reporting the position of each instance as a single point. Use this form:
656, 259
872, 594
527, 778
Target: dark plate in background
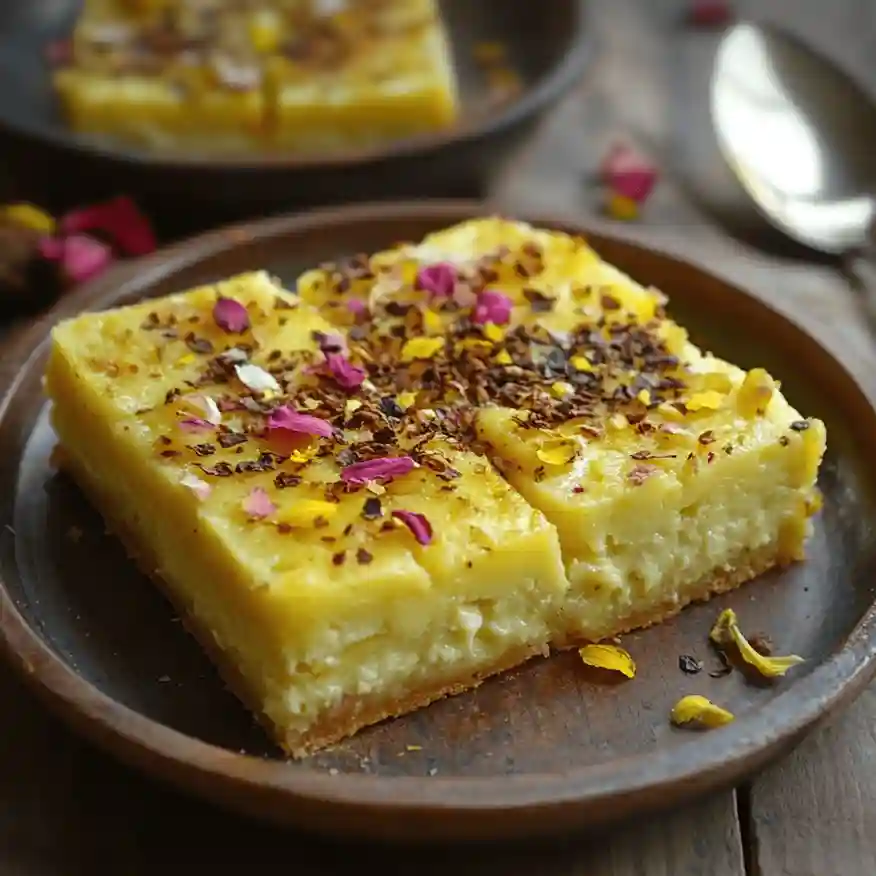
544, 748
547, 44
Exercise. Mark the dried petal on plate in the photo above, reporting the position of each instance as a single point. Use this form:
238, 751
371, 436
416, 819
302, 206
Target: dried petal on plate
230, 315
439, 280
493, 332
118, 219
432, 322
28, 216
418, 524
382, 469
258, 504
81, 257
700, 712
611, 657
421, 348
308, 512
286, 419
200, 488
345, 373
726, 632
557, 451
629, 174
255, 378
492, 306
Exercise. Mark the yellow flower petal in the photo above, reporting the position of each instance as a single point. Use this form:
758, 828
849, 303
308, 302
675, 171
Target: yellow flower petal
581, 363
559, 451
432, 323
609, 657
186, 360
621, 207
644, 397
307, 512
406, 399
726, 631
695, 709
492, 332
708, 400
29, 216
560, 389
421, 348
352, 405
474, 344
503, 357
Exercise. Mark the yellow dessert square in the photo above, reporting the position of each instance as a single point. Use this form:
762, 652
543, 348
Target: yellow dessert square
165, 74
353, 74
669, 474
219, 432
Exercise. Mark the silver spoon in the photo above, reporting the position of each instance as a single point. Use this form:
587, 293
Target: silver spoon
800, 137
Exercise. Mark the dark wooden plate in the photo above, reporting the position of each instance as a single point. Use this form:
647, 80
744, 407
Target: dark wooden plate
541, 749
547, 44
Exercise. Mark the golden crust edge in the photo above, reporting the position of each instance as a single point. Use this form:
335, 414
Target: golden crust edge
356, 713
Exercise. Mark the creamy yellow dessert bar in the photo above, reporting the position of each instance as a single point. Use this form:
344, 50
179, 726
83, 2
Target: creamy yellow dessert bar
669, 474
238, 75
341, 555
424, 467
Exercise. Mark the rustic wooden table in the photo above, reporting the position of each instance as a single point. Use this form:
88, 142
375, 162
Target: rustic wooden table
65, 809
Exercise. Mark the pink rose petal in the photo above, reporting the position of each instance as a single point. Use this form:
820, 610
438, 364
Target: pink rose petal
287, 420
356, 306
195, 424
329, 344
346, 374
258, 504
492, 307
418, 524
51, 248
438, 280
230, 315
385, 468
119, 219
81, 257
629, 174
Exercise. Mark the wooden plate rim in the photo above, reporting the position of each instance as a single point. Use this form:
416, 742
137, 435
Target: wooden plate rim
542, 93
146, 743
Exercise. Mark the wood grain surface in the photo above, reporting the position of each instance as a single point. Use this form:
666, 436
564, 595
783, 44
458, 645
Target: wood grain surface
65, 809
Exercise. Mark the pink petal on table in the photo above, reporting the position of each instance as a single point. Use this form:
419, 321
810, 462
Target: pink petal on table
258, 504
629, 174
286, 419
384, 468
195, 424
119, 219
418, 524
438, 280
346, 374
230, 315
51, 248
82, 257
492, 307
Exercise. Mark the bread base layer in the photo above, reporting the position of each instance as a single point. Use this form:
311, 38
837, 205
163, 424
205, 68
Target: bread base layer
356, 713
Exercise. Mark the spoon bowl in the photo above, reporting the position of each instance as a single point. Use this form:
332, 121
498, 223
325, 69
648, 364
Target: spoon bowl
798, 135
